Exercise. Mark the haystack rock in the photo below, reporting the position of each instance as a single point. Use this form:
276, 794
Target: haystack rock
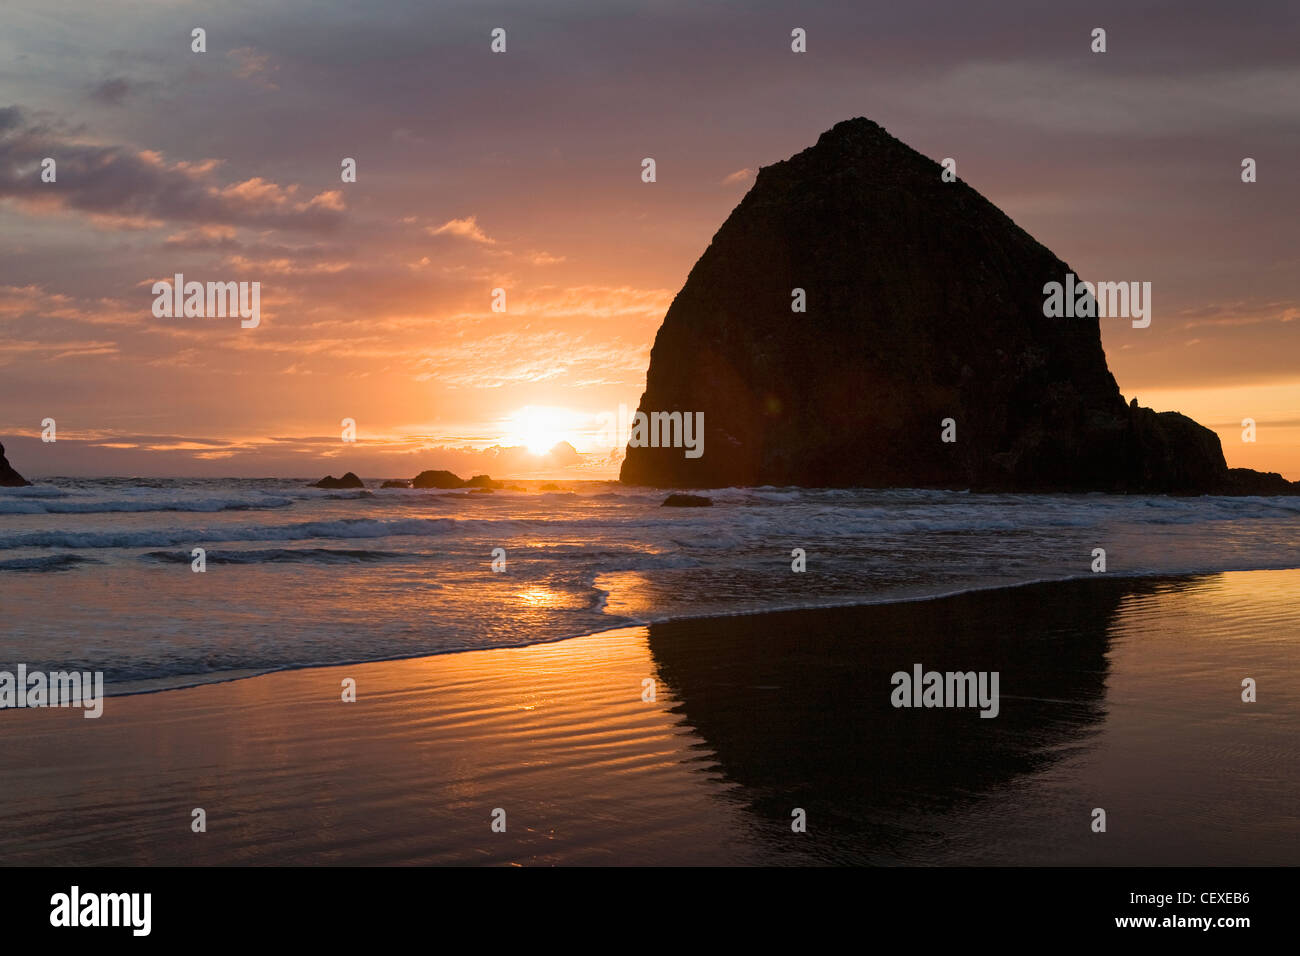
924, 302
8, 477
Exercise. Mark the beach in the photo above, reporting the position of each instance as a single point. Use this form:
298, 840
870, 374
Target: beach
1117, 693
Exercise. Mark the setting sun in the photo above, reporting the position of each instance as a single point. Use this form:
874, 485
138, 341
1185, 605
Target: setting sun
540, 428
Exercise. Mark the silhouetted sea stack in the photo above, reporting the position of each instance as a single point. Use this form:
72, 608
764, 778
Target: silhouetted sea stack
347, 481
437, 479
924, 302
445, 479
8, 477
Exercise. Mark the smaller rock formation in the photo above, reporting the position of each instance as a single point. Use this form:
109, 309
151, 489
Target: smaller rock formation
347, 481
437, 479
8, 477
395, 484
445, 480
1247, 481
687, 501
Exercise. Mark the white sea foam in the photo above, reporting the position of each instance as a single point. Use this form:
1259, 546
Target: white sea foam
297, 576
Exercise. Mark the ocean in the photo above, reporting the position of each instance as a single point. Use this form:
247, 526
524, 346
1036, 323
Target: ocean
97, 574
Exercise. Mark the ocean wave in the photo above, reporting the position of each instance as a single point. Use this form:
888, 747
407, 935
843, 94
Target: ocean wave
202, 505
32, 491
281, 556
46, 562
164, 537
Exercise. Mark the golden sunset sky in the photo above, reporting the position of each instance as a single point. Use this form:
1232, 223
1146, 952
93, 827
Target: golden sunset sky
521, 171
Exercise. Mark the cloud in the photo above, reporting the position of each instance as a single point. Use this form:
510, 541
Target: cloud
1239, 313
520, 357
284, 266
111, 92
203, 237
35, 303
253, 65
467, 228
104, 451
1065, 97
739, 176
602, 302
121, 186
52, 352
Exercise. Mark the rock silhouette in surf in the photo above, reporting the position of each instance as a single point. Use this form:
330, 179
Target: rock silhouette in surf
8, 477
924, 316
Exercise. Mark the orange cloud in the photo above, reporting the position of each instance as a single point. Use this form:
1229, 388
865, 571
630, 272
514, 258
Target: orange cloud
467, 228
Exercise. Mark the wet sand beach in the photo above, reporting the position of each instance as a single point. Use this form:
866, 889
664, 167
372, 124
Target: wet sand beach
1121, 694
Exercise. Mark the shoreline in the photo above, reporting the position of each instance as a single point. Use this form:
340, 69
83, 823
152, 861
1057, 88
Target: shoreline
236, 676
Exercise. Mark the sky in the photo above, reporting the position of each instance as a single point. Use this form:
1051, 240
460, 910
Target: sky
521, 171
